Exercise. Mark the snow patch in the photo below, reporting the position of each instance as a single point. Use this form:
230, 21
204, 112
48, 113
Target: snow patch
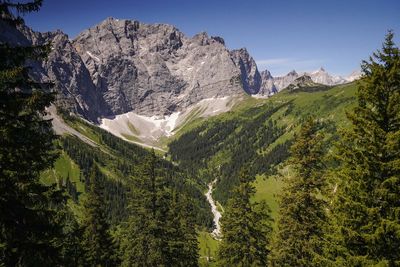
148, 130
131, 124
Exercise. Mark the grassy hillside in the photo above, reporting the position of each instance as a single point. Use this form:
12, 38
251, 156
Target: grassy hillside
257, 132
208, 249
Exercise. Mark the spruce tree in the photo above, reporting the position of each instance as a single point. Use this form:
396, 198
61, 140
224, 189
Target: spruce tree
72, 252
246, 227
30, 228
145, 241
97, 241
160, 230
182, 235
302, 216
366, 207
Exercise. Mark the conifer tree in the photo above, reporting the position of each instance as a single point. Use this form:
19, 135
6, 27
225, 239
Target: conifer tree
145, 243
366, 207
160, 230
97, 241
246, 227
298, 240
30, 228
182, 236
72, 251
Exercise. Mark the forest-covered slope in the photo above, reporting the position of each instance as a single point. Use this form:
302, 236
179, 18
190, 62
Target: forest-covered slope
258, 133
118, 162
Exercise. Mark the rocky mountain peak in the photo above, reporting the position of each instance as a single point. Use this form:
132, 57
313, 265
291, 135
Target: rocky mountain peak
266, 75
138, 66
320, 76
323, 77
267, 84
201, 38
219, 39
304, 81
250, 75
355, 75
283, 81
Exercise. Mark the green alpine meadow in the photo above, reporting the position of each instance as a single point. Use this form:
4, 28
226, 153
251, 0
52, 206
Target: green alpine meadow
125, 141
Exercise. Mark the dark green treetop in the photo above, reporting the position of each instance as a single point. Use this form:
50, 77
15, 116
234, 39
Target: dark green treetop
160, 230
30, 228
366, 208
97, 241
246, 227
298, 239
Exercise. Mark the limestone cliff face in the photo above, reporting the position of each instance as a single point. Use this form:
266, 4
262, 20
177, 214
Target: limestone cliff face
119, 66
268, 86
153, 69
250, 77
63, 66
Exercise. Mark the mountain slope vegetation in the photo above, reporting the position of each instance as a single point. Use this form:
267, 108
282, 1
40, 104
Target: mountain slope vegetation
118, 161
257, 133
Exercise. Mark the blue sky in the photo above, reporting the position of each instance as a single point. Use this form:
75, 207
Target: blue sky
280, 35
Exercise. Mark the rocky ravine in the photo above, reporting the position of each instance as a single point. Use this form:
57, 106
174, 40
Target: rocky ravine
216, 233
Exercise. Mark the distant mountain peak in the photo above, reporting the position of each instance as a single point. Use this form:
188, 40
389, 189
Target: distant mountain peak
218, 39
355, 75
304, 78
266, 74
320, 70
272, 84
250, 76
304, 82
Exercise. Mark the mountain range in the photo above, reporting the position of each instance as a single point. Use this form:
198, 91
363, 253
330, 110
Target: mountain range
151, 75
271, 85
